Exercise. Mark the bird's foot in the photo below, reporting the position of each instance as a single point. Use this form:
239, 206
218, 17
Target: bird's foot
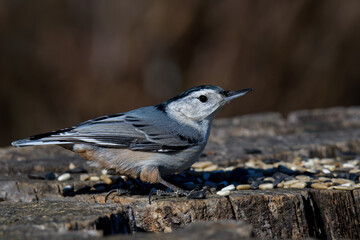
160, 193
193, 194
118, 191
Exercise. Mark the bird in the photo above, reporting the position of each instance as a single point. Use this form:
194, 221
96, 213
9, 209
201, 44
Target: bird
147, 142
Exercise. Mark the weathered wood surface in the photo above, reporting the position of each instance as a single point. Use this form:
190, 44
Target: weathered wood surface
35, 209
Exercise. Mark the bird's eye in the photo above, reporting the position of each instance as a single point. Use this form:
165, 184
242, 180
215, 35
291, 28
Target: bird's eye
203, 98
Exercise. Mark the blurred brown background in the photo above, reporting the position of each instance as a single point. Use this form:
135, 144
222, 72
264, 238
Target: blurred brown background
63, 62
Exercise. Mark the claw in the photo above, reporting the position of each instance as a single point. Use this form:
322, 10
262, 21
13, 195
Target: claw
118, 191
151, 193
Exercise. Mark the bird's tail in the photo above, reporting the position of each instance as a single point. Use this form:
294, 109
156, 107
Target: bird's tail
49, 138
38, 142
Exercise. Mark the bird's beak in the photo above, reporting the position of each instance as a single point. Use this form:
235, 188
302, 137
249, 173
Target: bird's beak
232, 95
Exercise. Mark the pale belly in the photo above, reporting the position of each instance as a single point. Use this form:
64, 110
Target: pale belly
133, 162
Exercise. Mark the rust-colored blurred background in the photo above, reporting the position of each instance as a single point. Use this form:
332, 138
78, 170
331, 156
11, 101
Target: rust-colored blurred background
63, 62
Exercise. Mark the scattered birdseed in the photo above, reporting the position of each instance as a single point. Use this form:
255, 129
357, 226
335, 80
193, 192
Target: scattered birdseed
324, 179
330, 167
72, 166
326, 161
347, 184
77, 170
229, 168
106, 179
348, 165
271, 179
319, 186
210, 168
329, 184
50, 176
341, 188
341, 181
68, 187
311, 171
230, 188
250, 164
125, 178
244, 187
68, 190
202, 165
94, 178
290, 182
266, 186
36, 176
327, 173
64, 177
298, 185
206, 176
303, 178
100, 188
223, 193
84, 177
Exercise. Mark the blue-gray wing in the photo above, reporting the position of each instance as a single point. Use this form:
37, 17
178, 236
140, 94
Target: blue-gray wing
135, 130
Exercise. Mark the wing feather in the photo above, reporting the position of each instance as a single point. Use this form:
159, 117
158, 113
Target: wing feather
133, 130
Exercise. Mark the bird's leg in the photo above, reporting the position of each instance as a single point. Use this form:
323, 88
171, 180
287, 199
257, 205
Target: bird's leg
152, 175
176, 189
193, 194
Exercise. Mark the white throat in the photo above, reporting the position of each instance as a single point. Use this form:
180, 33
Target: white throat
202, 126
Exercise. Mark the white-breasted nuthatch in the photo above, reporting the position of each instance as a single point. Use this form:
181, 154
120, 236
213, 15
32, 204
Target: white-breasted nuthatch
147, 142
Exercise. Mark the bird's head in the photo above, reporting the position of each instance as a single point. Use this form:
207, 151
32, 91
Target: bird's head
200, 103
